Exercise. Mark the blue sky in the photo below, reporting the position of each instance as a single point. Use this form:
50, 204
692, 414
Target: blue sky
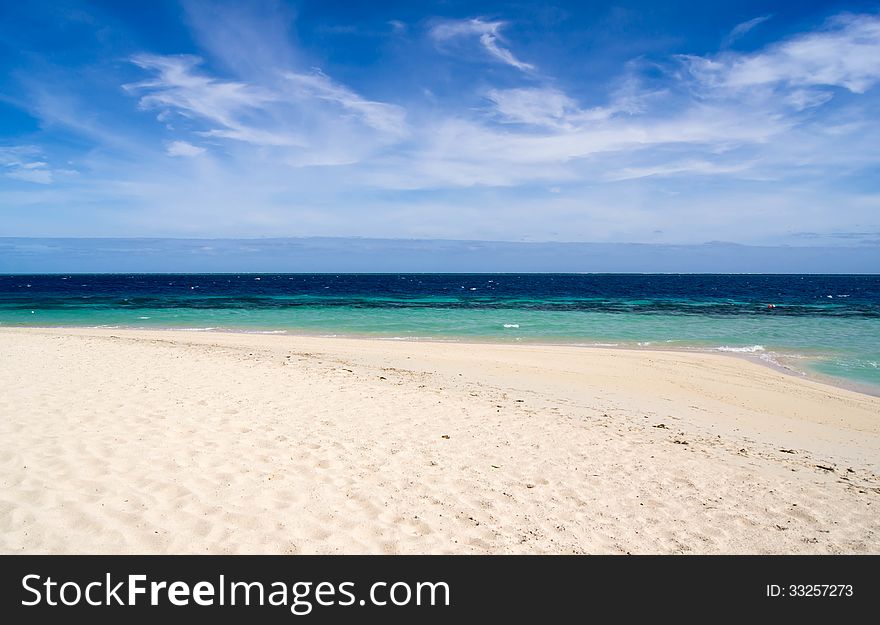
668, 123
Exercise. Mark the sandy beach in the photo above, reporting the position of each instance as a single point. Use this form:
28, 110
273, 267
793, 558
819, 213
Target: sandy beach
128, 441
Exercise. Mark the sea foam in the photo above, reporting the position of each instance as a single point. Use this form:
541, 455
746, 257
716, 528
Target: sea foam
751, 349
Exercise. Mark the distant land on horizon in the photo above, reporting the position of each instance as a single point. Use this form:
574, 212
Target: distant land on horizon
369, 255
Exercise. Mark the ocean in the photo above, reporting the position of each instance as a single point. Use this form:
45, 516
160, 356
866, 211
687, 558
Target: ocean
818, 325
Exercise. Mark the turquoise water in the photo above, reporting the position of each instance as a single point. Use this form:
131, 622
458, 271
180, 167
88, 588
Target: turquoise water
805, 329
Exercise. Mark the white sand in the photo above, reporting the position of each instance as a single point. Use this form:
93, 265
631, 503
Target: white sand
115, 441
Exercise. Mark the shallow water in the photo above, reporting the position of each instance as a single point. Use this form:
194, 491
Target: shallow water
819, 324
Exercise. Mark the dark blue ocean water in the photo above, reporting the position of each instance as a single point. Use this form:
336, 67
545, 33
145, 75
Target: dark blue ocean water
823, 324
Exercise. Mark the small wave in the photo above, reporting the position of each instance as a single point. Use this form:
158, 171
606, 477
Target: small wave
751, 349
643, 343
143, 317
197, 329
771, 358
415, 338
511, 325
774, 360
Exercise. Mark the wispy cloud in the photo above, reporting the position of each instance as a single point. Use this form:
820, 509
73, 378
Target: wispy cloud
290, 113
489, 34
714, 103
22, 162
183, 148
690, 167
695, 125
252, 132
542, 106
226, 105
249, 40
743, 28
844, 53
378, 115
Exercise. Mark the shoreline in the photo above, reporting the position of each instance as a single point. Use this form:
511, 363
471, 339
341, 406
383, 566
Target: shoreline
863, 388
131, 441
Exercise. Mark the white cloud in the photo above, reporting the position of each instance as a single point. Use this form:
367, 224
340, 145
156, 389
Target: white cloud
690, 145
844, 53
801, 99
468, 153
226, 104
719, 106
313, 119
39, 176
183, 148
549, 107
714, 120
257, 136
536, 106
489, 34
384, 117
18, 162
691, 166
